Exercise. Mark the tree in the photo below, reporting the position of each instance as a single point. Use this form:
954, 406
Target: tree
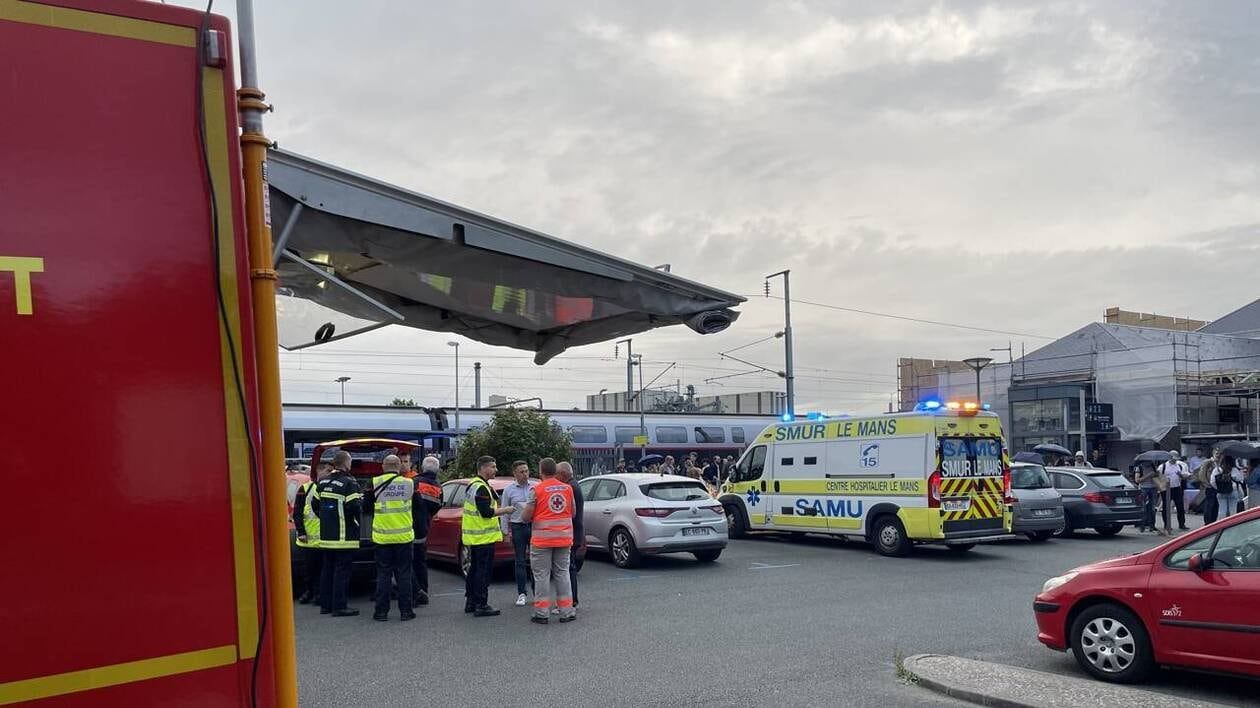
404, 402
512, 434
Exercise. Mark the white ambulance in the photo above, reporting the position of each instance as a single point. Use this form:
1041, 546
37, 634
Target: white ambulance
936, 475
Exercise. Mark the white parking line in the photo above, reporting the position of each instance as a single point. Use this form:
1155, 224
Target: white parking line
767, 566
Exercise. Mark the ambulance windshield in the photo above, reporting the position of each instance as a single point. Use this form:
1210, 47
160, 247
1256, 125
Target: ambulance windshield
971, 457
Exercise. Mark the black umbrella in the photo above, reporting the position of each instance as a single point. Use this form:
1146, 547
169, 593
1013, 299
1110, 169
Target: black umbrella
1029, 457
1154, 456
1052, 449
1240, 450
652, 459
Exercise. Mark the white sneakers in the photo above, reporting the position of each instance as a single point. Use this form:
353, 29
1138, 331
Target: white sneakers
520, 600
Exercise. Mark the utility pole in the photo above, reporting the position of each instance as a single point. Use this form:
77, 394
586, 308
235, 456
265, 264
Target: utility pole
642, 419
629, 368
787, 336
476, 384
342, 380
977, 363
456, 345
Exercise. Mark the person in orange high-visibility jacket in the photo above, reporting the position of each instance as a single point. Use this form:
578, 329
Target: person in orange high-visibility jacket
550, 510
428, 502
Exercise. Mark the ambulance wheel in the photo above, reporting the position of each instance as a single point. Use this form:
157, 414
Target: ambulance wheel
465, 561
736, 521
889, 537
1111, 644
622, 549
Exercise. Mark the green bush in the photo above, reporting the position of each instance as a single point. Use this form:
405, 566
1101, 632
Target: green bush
513, 434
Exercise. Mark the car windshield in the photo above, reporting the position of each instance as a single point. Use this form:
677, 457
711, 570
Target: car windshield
1111, 481
1029, 477
676, 491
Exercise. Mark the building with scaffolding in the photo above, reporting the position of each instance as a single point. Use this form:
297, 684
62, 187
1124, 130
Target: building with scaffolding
1113, 390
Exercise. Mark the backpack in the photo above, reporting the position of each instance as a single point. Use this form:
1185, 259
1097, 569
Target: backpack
1223, 481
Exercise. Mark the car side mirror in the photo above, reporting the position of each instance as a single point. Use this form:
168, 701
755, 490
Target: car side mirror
1197, 563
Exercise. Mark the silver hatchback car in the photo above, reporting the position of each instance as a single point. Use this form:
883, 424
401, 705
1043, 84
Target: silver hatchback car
632, 515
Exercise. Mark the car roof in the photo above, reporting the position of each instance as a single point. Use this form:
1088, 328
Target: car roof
1086, 470
644, 477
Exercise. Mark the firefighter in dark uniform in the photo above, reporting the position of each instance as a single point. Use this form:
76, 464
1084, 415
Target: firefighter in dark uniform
428, 502
306, 525
340, 503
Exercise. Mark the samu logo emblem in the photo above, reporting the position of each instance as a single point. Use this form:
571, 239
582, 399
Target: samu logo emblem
556, 502
870, 455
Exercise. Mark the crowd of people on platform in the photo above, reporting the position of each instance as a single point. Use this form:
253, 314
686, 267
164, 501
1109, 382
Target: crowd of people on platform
1225, 485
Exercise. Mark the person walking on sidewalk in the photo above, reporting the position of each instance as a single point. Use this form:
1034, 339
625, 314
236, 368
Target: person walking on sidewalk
1205, 478
564, 473
550, 510
479, 532
1228, 480
1145, 478
1177, 474
393, 530
516, 495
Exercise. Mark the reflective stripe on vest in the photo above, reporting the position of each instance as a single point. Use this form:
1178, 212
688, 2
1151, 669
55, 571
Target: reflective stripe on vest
341, 542
310, 518
478, 530
553, 515
391, 509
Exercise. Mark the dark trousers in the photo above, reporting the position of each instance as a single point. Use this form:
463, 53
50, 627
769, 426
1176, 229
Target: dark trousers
477, 588
1148, 507
334, 578
420, 568
1178, 497
1210, 505
520, 552
393, 561
574, 566
312, 565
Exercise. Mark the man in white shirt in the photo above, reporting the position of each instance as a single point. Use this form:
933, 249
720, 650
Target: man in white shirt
1177, 472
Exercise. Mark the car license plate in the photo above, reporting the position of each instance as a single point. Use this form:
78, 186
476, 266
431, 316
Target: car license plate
1123, 501
1043, 512
956, 504
698, 531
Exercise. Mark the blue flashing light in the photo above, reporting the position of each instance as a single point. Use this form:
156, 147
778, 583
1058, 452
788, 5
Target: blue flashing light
786, 418
930, 404
815, 415
986, 406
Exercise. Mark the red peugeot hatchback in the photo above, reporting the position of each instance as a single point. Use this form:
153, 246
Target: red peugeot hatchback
1193, 602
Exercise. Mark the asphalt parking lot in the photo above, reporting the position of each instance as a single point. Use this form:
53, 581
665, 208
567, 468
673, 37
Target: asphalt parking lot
782, 620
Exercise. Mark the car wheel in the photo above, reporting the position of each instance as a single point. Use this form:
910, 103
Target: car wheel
1111, 644
889, 537
960, 548
1039, 536
622, 549
736, 521
1108, 529
465, 561
1066, 530
708, 556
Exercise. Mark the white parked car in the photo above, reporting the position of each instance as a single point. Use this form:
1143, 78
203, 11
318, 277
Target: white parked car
632, 515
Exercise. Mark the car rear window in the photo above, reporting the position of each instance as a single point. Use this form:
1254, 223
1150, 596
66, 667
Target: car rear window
1029, 477
676, 491
1111, 481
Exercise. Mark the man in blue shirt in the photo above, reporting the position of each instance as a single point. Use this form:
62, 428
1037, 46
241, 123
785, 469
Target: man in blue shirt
517, 495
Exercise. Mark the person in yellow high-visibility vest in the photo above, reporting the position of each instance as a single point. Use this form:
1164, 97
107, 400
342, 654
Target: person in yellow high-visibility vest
391, 497
479, 532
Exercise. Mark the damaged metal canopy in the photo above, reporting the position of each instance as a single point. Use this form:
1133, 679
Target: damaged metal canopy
355, 254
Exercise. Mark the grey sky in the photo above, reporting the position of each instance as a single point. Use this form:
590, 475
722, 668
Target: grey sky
1011, 166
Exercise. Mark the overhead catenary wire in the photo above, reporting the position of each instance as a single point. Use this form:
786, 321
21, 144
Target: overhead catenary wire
919, 320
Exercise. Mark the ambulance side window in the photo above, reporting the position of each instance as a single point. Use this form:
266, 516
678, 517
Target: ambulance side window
752, 466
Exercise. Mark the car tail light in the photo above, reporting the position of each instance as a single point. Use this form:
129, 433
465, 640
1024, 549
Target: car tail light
653, 512
716, 509
934, 490
1098, 497
1007, 496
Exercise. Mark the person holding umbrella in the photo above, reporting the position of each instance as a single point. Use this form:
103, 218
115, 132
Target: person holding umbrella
1207, 487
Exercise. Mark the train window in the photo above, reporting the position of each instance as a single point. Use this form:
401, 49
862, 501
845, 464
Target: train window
671, 434
710, 434
626, 433
589, 433
737, 434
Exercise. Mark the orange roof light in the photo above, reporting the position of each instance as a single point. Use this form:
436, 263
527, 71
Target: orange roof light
971, 406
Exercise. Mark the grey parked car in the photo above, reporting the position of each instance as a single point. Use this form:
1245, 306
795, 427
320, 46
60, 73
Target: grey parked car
1038, 509
1095, 498
632, 515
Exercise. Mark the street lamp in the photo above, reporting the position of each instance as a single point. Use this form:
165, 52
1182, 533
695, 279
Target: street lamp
342, 380
978, 363
456, 345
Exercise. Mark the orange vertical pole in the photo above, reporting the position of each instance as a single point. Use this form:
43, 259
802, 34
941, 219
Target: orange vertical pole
262, 277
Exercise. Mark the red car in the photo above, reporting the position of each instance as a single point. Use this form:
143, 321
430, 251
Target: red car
1193, 602
446, 528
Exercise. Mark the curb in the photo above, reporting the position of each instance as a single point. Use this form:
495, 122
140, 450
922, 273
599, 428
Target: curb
953, 691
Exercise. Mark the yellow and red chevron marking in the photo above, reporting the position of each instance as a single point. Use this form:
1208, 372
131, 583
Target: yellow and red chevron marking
985, 494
